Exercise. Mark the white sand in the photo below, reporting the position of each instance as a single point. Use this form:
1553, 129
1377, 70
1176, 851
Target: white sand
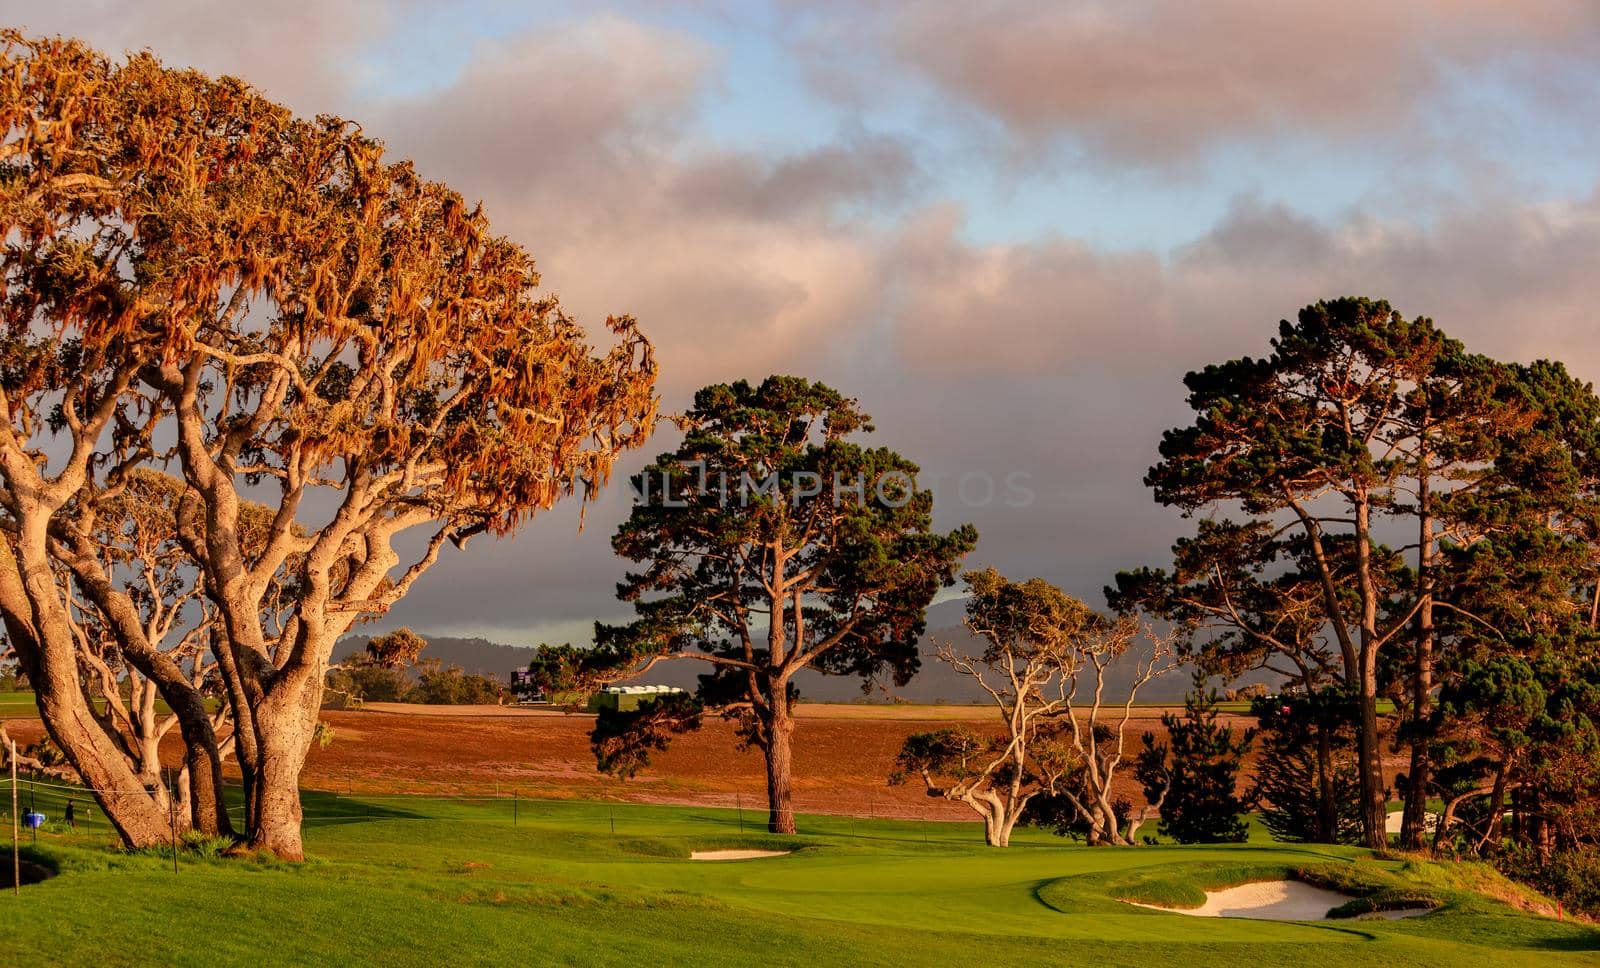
1395, 819
735, 854
1275, 901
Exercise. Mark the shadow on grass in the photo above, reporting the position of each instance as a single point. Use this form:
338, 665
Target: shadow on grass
33, 866
1585, 938
331, 809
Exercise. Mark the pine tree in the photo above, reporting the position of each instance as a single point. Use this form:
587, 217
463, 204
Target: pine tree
1306, 780
1194, 775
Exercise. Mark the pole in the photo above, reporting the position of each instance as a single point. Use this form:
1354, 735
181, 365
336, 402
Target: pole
513, 808
740, 802
16, 856
611, 814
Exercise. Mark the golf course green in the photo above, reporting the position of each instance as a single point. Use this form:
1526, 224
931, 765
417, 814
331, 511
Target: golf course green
405, 881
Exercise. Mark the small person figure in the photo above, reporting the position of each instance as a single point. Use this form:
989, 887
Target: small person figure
71, 820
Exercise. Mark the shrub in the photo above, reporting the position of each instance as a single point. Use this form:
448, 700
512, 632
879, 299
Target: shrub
1060, 816
363, 679
444, 685
1195, 774
204, 845
1569, 876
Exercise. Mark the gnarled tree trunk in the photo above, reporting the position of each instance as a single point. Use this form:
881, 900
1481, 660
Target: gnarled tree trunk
284, 724
41, 636
1000, 814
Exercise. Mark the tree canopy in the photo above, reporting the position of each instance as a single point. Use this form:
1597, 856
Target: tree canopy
198, 277
772, 542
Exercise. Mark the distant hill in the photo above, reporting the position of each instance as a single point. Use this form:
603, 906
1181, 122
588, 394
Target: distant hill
936, 683
477, 656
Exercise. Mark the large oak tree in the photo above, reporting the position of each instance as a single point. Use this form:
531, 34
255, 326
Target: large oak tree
194, 275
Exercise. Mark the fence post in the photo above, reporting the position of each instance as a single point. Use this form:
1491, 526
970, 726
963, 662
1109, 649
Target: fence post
513, 808
16, 856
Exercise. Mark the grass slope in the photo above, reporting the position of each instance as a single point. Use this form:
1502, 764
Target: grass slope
420, 882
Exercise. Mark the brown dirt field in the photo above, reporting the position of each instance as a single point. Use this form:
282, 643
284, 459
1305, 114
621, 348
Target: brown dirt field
841, 762
843, 755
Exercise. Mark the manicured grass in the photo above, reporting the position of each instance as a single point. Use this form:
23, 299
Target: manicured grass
398, 881
18, 704
1242, 706
21, 705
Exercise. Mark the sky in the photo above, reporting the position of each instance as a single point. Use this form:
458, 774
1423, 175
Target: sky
1008, 228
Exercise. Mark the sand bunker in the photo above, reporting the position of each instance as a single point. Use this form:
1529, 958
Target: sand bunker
1396, 819
735, 854
1276, 901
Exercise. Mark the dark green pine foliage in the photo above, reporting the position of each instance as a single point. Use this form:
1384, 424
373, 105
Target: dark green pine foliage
1307, 787
1516, 732
1195, 774
1361, 427
769, 542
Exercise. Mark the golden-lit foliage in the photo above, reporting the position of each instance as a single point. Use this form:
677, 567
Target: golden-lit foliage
344, 308
264, 305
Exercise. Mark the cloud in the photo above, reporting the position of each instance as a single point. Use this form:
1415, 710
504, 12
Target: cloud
848, 259
1063, 363
305, 53
582, 139
584, 104
1514, 280
1024, 308
1160, 80
862, 170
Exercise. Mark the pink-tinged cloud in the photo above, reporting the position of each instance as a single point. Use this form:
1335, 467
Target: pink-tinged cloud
1513, 280
1156, 80
578, 139
845, 260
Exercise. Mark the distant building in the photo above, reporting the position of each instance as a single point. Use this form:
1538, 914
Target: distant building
629, 698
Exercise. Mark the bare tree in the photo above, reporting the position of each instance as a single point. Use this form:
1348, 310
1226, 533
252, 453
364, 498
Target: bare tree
130, 556
1046, 664
997, 776
1098, 724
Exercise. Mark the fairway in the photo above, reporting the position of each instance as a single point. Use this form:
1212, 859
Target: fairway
405, 881
22, 705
